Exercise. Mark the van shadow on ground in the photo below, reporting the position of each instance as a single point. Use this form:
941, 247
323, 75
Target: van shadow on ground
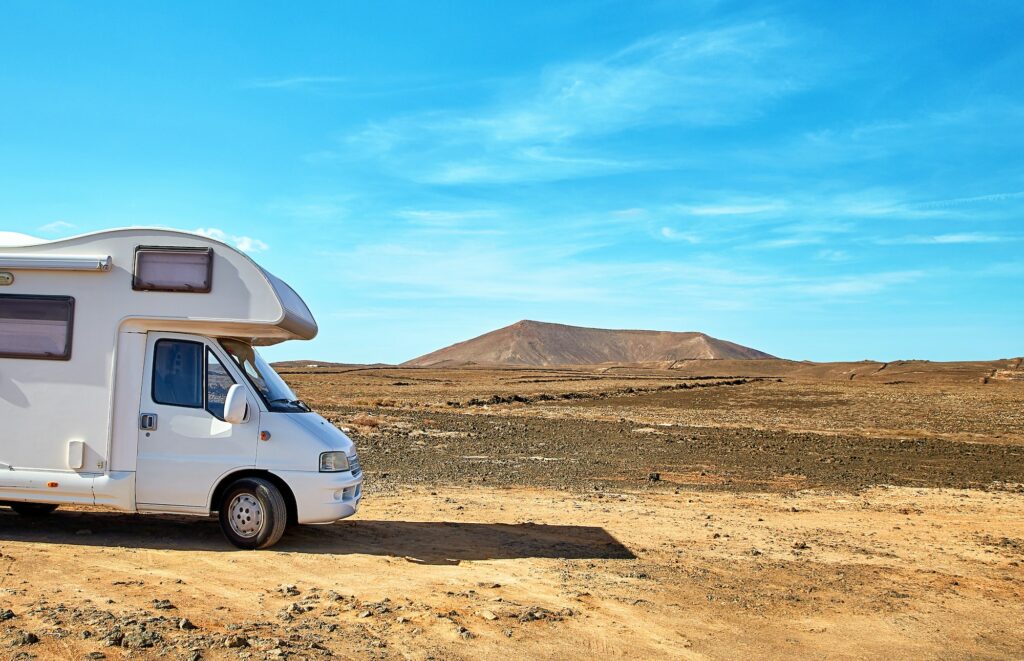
426, 542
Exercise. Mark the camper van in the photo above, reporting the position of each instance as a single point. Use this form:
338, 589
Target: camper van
130, 378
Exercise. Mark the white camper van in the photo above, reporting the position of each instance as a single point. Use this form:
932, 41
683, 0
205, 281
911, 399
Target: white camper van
129, 378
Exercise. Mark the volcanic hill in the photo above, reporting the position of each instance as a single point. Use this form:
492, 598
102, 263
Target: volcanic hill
540, 343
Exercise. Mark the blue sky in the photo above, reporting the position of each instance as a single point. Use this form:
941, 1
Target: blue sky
821, 181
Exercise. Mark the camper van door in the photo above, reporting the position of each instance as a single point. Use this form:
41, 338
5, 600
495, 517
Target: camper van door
185, 446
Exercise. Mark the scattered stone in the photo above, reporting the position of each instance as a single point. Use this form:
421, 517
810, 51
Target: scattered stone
654, 477
488, 615
163, 605
235, 642
186, 625
25, 638
289, 590
756, 551
6, 614
141, 639
114, 638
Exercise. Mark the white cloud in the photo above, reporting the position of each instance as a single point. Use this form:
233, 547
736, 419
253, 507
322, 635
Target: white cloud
524, 165
992, 197
539, 129
730, 209
790, 242
831, 255
968, 237
57, 227
312, 210
855, 285
675, 235
482, 270
702, 77
947, 239
444, 217
249, 244
243, 243
297, 82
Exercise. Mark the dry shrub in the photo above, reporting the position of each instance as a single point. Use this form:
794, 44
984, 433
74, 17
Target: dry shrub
363, 420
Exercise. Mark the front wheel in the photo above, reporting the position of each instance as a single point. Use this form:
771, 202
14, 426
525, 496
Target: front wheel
33, 509
253, 514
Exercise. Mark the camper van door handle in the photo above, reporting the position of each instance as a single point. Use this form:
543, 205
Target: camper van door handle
147, 421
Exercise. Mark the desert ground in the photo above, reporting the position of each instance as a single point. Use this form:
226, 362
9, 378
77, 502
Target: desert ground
706, 509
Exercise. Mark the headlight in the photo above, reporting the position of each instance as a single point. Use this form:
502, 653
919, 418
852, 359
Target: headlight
333, 462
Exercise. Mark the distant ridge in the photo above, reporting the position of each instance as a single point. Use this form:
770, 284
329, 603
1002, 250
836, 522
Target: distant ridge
541, 343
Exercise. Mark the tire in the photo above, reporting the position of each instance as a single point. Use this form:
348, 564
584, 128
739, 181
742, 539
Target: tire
33, 509
253, 514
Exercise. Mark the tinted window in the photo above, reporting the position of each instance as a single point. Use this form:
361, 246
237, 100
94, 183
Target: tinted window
178, 373
173, 269
36, 326
217, 383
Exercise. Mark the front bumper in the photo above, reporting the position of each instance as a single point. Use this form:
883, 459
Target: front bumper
324, 497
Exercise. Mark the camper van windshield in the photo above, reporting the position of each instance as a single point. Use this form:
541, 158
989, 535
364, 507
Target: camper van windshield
272, 388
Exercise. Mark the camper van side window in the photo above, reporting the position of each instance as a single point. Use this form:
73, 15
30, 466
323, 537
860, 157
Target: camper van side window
36, 326
218, 381
176, 269
178, 373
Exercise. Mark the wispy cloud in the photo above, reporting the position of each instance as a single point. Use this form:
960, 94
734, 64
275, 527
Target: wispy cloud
297, 82
676, 235
969, 237
316, 209
735, 209
947, 239
540, 128
790, 242
243, 243
479, 270
857, 285
445, 217
960, 201
57, 227
831, 255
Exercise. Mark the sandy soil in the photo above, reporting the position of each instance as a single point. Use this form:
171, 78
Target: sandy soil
492, 573
714, 510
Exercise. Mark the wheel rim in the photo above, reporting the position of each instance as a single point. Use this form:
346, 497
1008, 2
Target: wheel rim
245, 514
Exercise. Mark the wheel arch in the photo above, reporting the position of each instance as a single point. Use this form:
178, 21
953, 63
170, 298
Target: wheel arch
286, 491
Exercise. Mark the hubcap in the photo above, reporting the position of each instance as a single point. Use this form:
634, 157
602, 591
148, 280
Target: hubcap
246, 515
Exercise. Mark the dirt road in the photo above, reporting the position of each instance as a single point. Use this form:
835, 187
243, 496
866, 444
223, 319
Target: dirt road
497, 573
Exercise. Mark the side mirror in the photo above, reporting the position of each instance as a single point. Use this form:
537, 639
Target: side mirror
236, 405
